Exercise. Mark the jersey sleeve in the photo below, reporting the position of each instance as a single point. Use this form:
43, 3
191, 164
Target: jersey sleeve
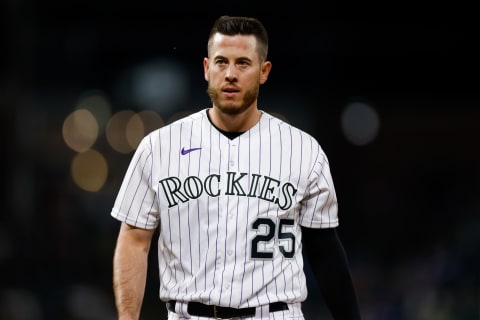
320, 207
136, 203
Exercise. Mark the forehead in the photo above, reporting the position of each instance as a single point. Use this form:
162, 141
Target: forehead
224, 45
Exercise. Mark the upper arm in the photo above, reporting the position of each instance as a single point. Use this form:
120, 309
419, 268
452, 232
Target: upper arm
322, 247
320, 207
135, 237
315, 239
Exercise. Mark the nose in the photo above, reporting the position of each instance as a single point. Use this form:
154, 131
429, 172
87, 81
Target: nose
231, 73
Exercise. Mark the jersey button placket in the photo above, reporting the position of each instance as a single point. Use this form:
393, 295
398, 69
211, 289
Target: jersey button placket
233, 155
229, 214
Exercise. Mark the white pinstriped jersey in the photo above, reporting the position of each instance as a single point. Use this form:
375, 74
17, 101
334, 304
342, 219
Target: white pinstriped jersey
229, 210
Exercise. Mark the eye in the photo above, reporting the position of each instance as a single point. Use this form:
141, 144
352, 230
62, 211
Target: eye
243, 63
221, 62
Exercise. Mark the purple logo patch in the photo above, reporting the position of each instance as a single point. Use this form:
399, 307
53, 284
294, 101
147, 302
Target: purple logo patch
187, 151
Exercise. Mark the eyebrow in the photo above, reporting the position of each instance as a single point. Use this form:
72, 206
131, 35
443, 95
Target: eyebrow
237, 59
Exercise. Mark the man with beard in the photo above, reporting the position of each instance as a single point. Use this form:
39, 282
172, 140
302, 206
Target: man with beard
237, 195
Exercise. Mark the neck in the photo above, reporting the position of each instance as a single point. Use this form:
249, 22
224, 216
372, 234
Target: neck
240, 122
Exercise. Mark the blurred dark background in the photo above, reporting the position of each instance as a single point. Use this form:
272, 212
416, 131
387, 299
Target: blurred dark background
391, 91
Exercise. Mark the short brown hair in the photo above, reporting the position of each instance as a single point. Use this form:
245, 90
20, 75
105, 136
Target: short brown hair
231, 26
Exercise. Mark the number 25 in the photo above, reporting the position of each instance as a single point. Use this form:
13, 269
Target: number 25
262, 238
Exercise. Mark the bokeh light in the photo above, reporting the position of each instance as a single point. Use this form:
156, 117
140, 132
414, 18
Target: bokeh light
97, 103
140, 124
116, 131
360, 123
80, 130
151, 120
89, 170
134, 131
159, 84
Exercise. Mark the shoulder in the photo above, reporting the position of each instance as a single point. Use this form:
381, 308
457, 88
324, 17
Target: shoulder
188, 118
173, 127
287, 128
305, 143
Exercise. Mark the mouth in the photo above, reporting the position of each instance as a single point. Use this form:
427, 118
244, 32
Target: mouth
230, 89
230, 92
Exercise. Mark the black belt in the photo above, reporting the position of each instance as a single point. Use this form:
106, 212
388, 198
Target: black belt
203, 310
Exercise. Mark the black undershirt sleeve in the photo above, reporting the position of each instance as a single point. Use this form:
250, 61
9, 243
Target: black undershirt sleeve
329, 264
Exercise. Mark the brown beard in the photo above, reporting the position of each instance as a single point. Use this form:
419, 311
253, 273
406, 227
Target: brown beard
248, 99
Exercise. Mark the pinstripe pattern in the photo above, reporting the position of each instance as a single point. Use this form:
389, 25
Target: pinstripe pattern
230, 212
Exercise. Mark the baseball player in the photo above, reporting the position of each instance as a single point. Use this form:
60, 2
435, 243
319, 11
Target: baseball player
237, 195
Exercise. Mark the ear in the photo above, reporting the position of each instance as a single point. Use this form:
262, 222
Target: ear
265, 71
205, 68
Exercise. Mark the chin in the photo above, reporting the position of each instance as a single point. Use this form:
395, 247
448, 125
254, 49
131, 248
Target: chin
233, 109
230, 108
